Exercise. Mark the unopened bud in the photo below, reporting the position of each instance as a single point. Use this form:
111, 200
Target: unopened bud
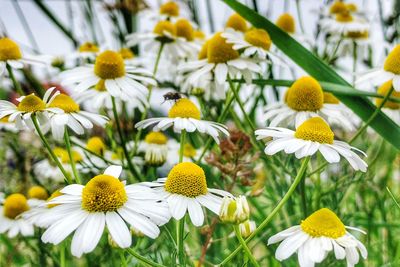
247, 228
234, 210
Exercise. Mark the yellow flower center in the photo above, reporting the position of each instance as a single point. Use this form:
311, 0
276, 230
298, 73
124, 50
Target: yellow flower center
305, 94
164, 26
329, 98
88, 47
203, 51
5, 119
199, 35
170, 8
186, 179
31, 103
392, 62
344, 17
325, 223
357, 34
96, 145
109, 65
65, 102
259, 38
14, 205
9, 50
384, 90
338, 7
156, 138
38, 192
184, 29
76, 157
287, 23
352, 7
219, 51
55, 194
103, 193
126, 53
189, 151
100, 86
184, 108
316, 130
237, 23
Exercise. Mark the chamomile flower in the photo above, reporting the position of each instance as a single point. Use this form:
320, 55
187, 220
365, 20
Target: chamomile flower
73, 117
359, 40
5, 125
109, 72
237, 23
311, 136
11, 221
390, 70
104, 202
155, 148
185, 190
392, 109
342, 23
87, 52
170, 10
287, 23
316, 236
304, 100
37, 195
185, 115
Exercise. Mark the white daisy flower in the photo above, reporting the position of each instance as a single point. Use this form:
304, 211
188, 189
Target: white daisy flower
104, 201
170, 10
316, 236
311, 136
346, 42
5, 125
185, 190
11, 221
304, 100
86, 51
37, 195
236, 23
342, 23
155, 148
109, 72
287, 23
184, 115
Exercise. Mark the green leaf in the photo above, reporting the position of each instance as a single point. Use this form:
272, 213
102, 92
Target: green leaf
360, 105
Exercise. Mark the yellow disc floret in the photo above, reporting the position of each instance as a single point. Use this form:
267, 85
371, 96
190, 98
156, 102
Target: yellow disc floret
103, 193
170, 9
324, 223
316, 130
126, 53
109, 65
184, 108
88, 47
384, 90
9, 50
96, 145
305, 94
392, 62
187, 179
156, 138
259, 38
219, 51
184, 29
344, 17
38, 192
31, 103
236, 22
14, 205
329, 98
338, 7
65, 102
352, 7
287, 23
189, 151
164, 26
199, 35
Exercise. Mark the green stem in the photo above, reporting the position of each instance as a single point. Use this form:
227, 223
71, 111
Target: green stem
182, 145
71, 156
143, 259
47, 145
244, 246
123, 259
180, 229
62, 255
266, 221
16, 84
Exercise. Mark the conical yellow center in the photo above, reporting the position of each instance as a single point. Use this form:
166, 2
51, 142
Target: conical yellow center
357, 34
156, 138
287, 23
100, 86
189, 151
305, 94
316, 130
164, 26
186, 179
199, 35
329, 98
88, 47
65, 102
31, 103
38, 192
184, 29
324, 223
14, 205
392, 62
184, 108
237, 23
9, 50
109, 65
259, 38
103, 193
344, 17
219, 51
338, 7
352, 7
55, 194
96, 145
203, 51
126, 53
384, 90
170, 9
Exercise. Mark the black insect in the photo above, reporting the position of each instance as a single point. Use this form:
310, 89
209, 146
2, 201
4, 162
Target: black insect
172, 96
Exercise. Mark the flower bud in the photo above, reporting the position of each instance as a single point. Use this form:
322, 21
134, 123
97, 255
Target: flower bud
135, 232
247, 228
234, 210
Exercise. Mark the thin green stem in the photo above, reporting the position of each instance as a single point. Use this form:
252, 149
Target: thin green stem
267, 220
16, 84
47, 145
244, 246
62, 254
143, 259
71, 156
182, 145
180, 229
122, 258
